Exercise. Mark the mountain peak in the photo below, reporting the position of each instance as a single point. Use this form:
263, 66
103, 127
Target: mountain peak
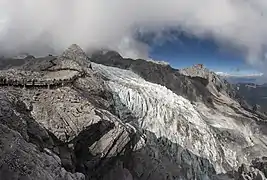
197, 70
75, 52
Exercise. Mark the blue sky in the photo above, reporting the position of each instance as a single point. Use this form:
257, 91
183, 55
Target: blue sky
184, 51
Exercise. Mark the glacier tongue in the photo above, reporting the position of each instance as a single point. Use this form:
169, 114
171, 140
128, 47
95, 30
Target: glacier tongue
162, 112
194, 127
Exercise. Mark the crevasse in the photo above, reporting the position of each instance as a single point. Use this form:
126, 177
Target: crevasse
162, 112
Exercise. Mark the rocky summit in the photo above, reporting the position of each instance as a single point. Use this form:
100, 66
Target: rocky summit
105, 117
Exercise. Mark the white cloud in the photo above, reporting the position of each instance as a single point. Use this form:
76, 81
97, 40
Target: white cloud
42, 26
222, 73
225, 74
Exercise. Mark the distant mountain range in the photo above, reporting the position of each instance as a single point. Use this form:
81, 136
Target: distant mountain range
235, 79
252, 88
250, 79
254, 94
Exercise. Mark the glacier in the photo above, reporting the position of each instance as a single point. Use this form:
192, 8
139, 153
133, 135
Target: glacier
219, 135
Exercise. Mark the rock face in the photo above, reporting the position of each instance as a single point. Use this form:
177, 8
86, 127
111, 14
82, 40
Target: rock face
21, 158
214, 83
59, 131
164, 75
75, 53
130, 120
255, 171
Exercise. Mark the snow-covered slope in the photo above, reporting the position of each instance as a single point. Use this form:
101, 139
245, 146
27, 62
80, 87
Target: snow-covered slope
222, 135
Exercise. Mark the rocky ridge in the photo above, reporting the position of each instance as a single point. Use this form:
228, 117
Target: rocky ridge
58, 123
222, 119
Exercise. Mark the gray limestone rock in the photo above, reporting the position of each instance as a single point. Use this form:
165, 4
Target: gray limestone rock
65, 129
74, 52
20, 159
255, 171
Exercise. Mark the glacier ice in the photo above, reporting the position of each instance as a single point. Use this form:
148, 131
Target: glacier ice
171, 116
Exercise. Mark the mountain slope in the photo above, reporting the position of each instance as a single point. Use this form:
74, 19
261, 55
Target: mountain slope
125, 119
161, 74
170, 116
227, 129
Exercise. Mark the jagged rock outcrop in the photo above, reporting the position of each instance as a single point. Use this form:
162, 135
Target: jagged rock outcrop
20, 158
75, 53
50, 71
245, 172
214, 83
257, 170
72, 133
